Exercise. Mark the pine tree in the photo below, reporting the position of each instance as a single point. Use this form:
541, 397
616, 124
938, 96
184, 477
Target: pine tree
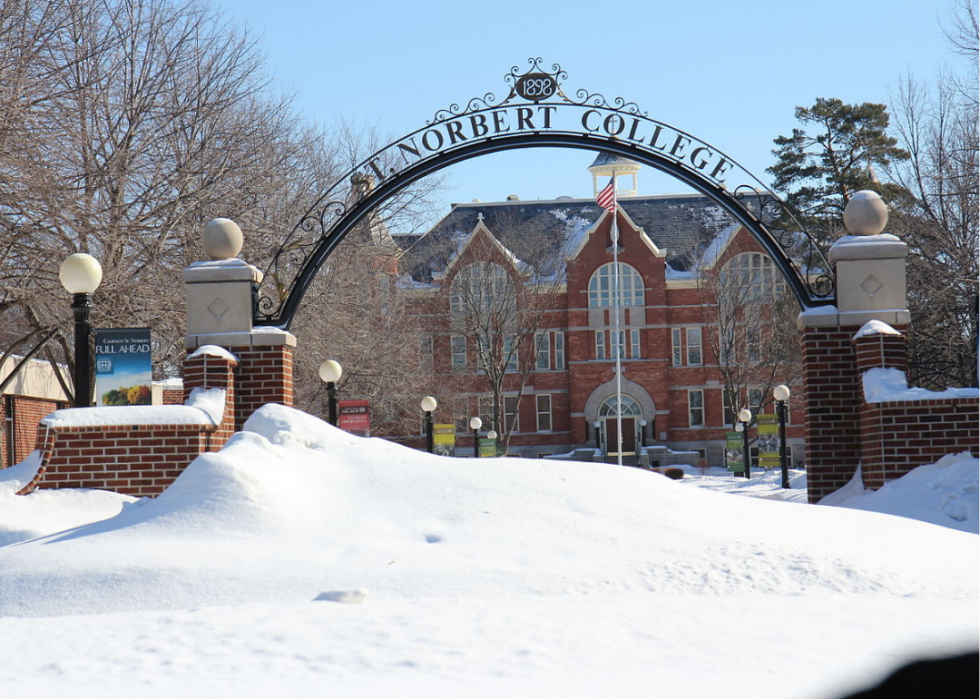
832, 155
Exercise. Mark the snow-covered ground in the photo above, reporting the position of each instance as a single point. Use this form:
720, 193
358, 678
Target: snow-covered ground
443, 577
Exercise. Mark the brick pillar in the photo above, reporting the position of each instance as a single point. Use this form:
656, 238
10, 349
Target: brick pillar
831, 384
220, 308
210, 367
265, 375
870, 271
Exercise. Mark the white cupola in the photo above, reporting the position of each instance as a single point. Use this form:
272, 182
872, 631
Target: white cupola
608, 165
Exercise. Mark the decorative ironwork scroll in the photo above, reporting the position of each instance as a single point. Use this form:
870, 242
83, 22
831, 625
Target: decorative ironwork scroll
537, 111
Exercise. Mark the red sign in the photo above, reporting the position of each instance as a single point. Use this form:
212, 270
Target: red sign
354, 416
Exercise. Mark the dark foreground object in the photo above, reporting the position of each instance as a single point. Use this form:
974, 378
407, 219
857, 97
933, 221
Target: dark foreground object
947, 678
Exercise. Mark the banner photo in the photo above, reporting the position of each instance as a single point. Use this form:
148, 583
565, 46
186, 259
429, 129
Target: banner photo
354, 416
733, 452
768, 441
123, 367
444, 439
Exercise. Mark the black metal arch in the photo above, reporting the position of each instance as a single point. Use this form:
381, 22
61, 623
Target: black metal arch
757, 209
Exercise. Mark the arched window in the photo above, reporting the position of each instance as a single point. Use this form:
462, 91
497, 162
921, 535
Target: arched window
629, 407
753, 277
480, 287
601, 286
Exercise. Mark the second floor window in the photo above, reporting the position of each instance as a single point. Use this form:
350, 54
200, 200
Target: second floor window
601, 287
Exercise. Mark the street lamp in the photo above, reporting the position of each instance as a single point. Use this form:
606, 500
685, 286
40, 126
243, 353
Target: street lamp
492, 436
781, 393
744, 418
475, 425
330, 373
81, 275
429, 404
598, 434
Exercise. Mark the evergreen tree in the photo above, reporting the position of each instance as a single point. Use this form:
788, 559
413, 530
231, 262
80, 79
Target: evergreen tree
833, 154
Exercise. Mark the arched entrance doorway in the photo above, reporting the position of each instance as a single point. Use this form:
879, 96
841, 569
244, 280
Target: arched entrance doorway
615, 413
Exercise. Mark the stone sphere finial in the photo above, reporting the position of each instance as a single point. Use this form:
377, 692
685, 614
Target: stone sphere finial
222, 239
865, 213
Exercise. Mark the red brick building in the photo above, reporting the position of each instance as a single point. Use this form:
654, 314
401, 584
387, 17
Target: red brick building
671, 383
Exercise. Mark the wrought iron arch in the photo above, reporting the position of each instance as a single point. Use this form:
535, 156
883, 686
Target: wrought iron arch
529, 118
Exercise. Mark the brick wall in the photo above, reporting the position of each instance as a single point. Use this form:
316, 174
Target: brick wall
137, 460
21, 431
898, 436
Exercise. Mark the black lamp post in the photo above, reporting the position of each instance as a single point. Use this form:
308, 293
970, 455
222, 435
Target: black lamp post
81, 275
429, 404
744, 418
330, 373
781, 394
475, 424
598, 434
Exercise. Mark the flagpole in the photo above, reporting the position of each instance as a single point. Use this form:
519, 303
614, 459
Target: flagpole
615, 343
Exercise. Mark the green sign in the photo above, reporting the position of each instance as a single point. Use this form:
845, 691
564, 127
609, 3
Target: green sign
488, 447
733, 452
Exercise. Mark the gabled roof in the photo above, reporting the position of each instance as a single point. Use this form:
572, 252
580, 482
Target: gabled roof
677, 224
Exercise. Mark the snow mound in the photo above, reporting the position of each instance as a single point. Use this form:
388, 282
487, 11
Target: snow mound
293, 506
945, 493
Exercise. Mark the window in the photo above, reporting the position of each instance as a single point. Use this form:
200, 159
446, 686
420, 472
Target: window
485, 410
600, 344
511, 414
635, 344
753, 346
694, 346
695, 407
754, 272
601, 287
755, 399
628, 406
425, 352
728, 410
458, 343
676, 353
726, 346
510, 352
479, 288
544, 413
542, 351
618, 344
559, 350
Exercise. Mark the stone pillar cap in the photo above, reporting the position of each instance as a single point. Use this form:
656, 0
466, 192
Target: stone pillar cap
222, 239
865, 213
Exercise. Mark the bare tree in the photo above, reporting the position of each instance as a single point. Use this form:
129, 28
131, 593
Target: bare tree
128, 125
750, 317
498, 302
940, 221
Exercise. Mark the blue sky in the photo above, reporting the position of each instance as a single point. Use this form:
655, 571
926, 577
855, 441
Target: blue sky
729, 73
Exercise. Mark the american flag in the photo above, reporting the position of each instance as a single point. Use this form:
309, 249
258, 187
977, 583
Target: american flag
606, 199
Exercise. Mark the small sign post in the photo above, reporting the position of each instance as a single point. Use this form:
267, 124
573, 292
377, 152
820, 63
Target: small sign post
354, 416
733, 452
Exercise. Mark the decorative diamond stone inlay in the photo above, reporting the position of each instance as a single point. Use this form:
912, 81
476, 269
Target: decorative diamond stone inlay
872, 285
218, 307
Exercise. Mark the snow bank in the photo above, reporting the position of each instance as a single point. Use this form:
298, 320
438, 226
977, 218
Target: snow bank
293, 507
943, 493
204, 407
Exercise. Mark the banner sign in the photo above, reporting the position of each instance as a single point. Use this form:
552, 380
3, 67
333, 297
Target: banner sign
123, 367
444, 439
768, 442
733, 452
488, 447
354, 416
